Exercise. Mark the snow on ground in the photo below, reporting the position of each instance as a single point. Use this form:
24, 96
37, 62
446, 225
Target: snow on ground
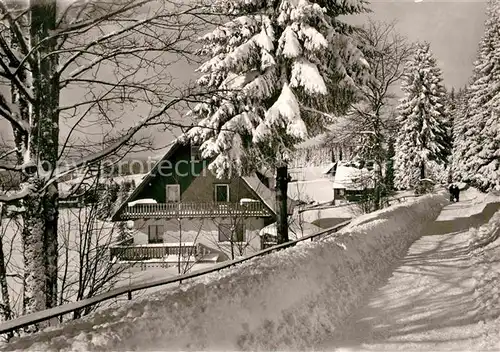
310, 173
443, 295
286, 300
484, 250
338, 212
73, 223
311, 192
329, 215
311, 184
297, 229
471, 202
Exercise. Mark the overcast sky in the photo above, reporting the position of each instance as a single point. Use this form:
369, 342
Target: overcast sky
453, 29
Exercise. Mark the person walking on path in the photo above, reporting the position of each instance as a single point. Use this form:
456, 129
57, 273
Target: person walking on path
454, 192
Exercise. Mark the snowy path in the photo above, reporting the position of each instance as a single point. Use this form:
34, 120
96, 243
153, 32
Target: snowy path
428, 303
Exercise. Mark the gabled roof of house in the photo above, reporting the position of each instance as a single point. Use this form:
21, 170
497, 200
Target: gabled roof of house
261, 191
150, 175
266, 195
330, 168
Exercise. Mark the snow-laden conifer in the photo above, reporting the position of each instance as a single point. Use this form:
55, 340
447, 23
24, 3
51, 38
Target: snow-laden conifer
275, 64
476, 156
424, 129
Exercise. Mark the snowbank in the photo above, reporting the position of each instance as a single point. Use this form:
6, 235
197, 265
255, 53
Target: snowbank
472, 202
484, 250
286, 300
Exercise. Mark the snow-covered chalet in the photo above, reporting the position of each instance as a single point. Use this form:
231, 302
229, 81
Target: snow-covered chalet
180, 205
350, 181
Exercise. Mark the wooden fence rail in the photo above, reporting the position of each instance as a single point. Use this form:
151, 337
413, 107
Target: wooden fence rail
329, 205
37, 317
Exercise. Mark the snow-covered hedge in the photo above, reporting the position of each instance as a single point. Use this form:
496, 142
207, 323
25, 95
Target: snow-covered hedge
287, 300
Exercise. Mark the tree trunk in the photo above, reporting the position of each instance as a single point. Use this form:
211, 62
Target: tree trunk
232, 234
281, 203
33, 254
32, 275
5, 307
379, 184
44, 142
51, 214
39, 234
422, 170
376, 195
180, 246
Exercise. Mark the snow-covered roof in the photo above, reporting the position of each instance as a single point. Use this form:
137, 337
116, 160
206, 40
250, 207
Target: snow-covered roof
142, 201
352, 178
265, 194
310, 173
328, 168
145, 179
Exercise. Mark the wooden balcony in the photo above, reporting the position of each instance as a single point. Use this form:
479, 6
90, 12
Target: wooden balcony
166, 252
194, 210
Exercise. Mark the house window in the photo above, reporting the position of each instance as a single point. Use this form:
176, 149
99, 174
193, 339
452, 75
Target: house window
232, 233
195, 153
155, 233
173, 193
222, 193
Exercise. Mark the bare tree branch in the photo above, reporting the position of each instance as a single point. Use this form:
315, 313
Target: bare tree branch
7, 73
10, 112
14, 196
112, 63
14, 26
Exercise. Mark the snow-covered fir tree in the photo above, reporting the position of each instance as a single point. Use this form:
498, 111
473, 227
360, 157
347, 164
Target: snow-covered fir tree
279, 66
488, 173
476, 149
442, 172
424, 129
278, 61
458, 134
389, 166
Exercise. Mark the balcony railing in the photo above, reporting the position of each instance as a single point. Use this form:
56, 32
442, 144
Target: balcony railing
194, 210
161, 251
